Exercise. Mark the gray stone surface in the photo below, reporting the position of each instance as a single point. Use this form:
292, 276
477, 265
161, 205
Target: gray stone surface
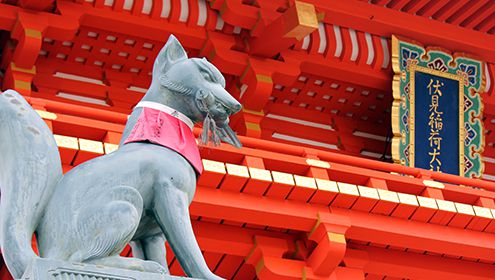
46, 269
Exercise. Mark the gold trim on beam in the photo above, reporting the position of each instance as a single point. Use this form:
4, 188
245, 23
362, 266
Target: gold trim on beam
302, 20
33, 33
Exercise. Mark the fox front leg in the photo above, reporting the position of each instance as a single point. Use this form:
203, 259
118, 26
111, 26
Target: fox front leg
171, 209
152, 249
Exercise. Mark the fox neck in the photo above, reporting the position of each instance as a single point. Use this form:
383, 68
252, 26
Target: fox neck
181, 103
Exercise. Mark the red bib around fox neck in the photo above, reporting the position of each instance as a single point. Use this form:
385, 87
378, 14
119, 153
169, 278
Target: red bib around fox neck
167, 127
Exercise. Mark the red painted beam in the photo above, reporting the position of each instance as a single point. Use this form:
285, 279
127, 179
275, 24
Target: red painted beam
59, 27
408, 265
159, 30
39, 5
364, 226
386, 22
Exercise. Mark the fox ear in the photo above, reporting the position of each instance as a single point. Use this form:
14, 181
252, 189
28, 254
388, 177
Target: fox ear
171, 53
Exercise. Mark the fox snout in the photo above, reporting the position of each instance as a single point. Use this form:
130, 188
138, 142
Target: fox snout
231, 105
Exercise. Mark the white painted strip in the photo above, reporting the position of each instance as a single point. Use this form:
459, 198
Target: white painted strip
203, 13
137, 89
303, 141
305, 44
302, 122
489, 159
77, 78
372, 154
488, 177
82, 98
184, 10
237, 30
323, 37
355, 44
488, 78
128, 4
220, 22
108, 3
371, 49
147, 4
244, 87
369, 135
386, 52
165, 9
338, 41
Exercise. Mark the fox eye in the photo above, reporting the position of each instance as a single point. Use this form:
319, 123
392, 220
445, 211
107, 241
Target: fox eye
206, 76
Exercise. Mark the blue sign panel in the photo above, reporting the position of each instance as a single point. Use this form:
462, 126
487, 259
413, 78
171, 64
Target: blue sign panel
437, 113
436, 125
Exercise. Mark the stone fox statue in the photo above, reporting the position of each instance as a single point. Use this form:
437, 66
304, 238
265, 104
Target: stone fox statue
139, 194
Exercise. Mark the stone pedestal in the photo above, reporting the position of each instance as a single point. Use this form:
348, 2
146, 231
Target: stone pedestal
45, 269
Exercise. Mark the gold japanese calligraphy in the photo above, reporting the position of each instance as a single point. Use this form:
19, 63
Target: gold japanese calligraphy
435, 122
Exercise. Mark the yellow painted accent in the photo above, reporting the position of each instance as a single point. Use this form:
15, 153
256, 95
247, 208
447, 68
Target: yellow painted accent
46, 115
304, 273
368, 192
91, 146
252, 112
388, 195
24, 70
427, 202
283, 178
259, 266
260, 174
251, 252
33, 33
66, 142
237, 170
317, 163
317, 224
307, 21
433, 184
18, 84
109, 148
482, 212
253, 126
398, 137
305, 182
327, 185
348, 189
320, 16
409, 199
446, 205
212, 55
336, 237
214, 166
464, 208
264, 78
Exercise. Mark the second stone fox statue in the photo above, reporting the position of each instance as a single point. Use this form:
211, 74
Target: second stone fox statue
139, 194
